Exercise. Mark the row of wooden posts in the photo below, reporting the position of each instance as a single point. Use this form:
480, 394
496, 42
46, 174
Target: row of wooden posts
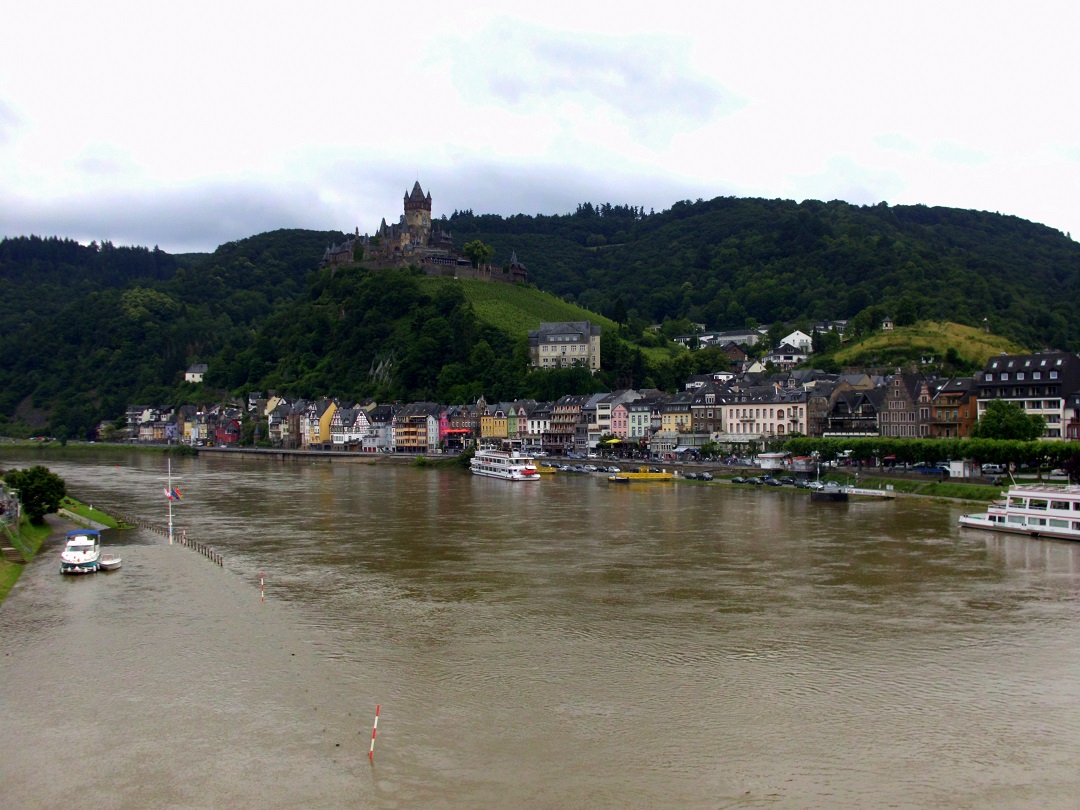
179, 535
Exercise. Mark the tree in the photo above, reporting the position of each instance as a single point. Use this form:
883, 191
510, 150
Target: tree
1071, 466
1007, 420
618, 314
478, 253
40, 491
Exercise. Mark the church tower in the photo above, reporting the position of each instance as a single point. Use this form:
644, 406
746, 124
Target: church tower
418, 214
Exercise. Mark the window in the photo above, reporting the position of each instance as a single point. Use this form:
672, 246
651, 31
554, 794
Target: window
1019, 375
1004, 376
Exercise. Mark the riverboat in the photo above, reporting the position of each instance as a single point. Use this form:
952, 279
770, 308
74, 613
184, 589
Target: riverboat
642, 474
829, 492
1038, 510
509, 465
82, 552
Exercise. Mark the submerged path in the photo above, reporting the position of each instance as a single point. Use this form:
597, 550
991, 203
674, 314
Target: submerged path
167, 683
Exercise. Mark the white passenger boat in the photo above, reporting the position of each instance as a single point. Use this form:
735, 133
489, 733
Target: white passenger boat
1039, 510
509, 465
82, 552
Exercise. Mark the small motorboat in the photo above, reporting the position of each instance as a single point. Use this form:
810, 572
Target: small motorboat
82, 552
109, 563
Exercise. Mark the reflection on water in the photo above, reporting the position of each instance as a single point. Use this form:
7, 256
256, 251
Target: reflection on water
574, 644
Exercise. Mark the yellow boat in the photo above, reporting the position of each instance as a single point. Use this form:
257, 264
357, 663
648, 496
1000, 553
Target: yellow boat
544, 469
643, 474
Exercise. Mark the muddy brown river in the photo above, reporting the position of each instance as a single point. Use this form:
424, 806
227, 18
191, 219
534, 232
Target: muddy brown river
559, 644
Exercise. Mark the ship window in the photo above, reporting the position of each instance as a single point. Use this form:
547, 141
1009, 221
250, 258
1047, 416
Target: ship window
1059, 505
1076, 525
1037, 503
1016, 518
1059, 524
1037, 522
1016, 503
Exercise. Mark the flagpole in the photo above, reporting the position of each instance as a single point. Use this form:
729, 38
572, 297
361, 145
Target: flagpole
170, 501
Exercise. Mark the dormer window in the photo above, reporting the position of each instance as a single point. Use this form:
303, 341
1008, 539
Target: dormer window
1004, 376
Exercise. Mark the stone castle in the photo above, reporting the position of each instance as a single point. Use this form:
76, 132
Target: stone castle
414, 240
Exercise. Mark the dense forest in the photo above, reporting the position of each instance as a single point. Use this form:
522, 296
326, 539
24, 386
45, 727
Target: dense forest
86, 330
725, 261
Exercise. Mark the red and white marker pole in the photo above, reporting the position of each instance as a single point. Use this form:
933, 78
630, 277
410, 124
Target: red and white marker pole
374, 728
262, 587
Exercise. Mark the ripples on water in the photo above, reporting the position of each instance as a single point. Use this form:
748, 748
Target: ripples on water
571, 644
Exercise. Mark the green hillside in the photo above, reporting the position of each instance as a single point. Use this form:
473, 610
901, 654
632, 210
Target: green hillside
515, 308
965, 347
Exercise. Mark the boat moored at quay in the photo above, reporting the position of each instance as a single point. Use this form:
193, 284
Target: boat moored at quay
82, 552
642, 473
509, 465
1038, 510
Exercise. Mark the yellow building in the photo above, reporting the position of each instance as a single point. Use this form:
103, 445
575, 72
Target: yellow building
493, 421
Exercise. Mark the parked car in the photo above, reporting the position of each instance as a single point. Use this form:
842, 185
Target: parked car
705, 476
738, 479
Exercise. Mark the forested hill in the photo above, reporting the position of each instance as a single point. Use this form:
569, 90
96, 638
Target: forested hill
84, 330
722, 261
87, 330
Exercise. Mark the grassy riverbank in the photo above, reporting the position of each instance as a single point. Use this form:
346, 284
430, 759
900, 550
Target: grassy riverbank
32, 536
90, 513
932, 488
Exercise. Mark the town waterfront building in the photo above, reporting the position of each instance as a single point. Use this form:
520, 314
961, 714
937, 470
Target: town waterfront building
1040, 383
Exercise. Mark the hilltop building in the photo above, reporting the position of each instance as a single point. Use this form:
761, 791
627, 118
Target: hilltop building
418, 240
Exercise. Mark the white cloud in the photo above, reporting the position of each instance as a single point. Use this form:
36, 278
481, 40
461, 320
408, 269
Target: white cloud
133, 122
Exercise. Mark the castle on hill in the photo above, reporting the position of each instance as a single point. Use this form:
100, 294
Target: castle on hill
415, 240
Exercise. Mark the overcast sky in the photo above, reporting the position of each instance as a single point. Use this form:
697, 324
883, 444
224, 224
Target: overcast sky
189, 125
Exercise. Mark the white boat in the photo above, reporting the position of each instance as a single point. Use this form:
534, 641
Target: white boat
110, 563
510, 465
82, 552
1038, 510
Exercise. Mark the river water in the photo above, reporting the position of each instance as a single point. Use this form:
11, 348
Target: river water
559, 644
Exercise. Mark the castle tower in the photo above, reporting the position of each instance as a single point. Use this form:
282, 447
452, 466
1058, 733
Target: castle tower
418, 214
